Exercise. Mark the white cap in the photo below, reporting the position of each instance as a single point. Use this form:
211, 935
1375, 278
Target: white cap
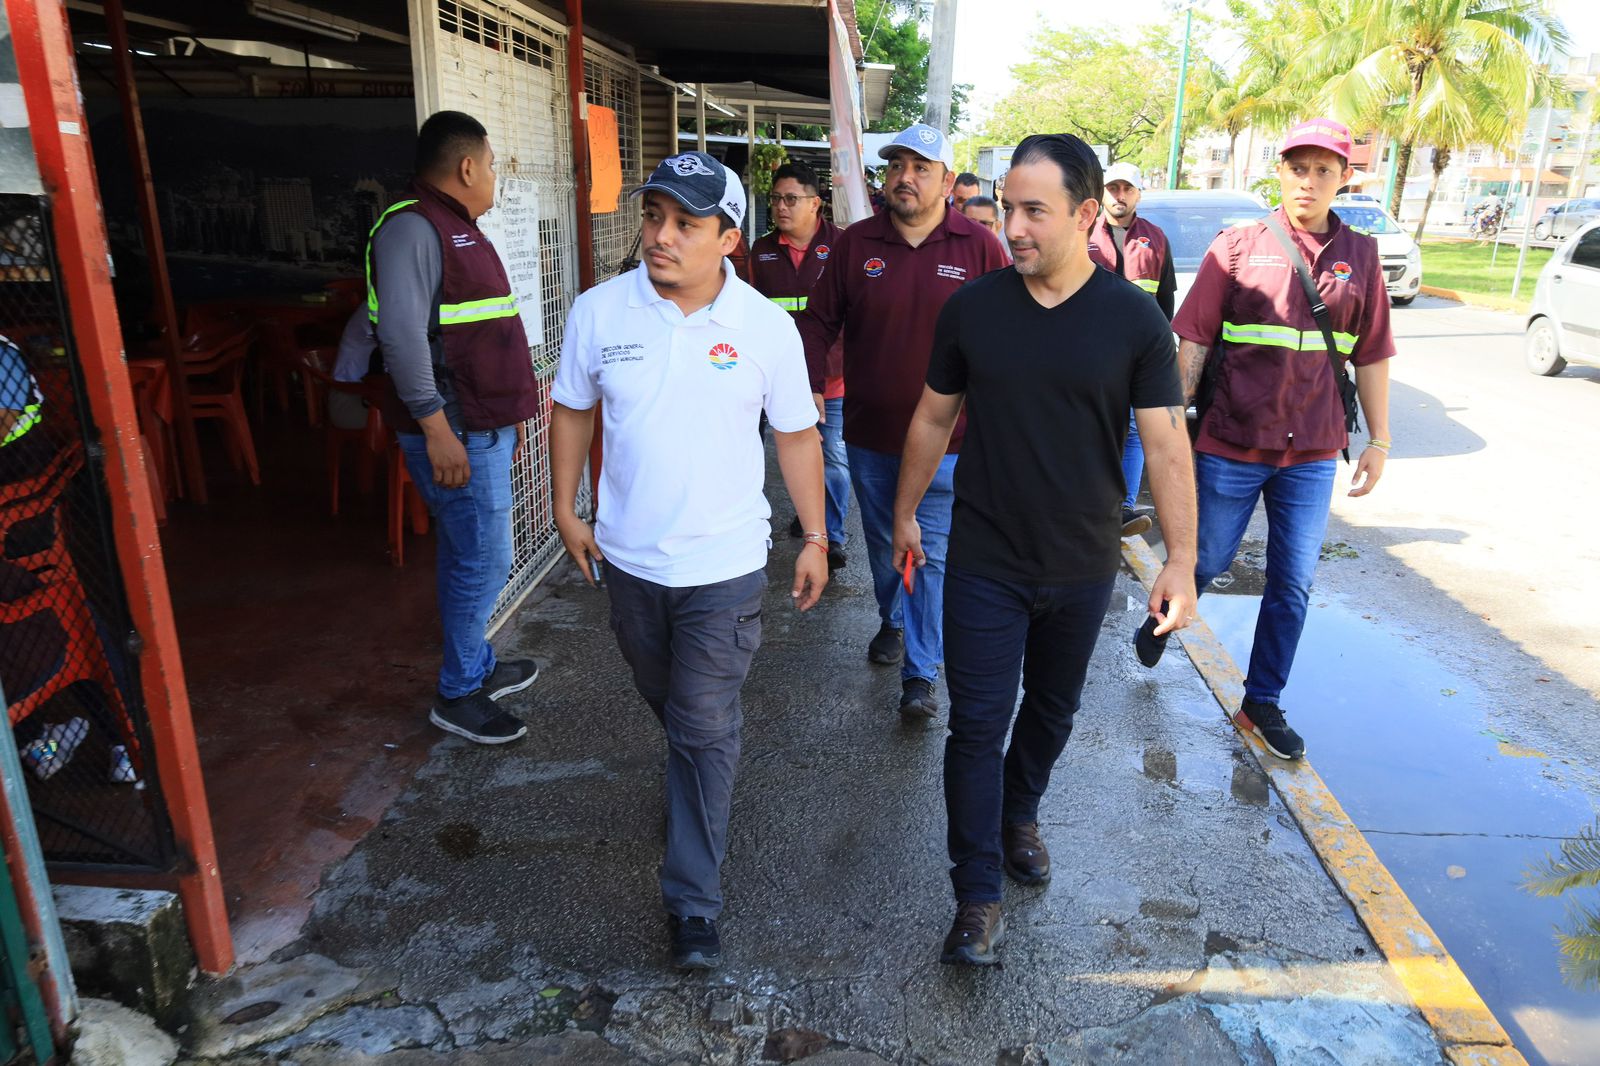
924, 140
1125, 172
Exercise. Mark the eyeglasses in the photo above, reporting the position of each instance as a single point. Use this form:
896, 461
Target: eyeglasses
789, 199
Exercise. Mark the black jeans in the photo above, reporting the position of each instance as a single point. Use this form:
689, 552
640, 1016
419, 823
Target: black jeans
995, 634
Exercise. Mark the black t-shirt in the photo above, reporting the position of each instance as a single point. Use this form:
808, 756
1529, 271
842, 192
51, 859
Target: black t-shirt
1039, 486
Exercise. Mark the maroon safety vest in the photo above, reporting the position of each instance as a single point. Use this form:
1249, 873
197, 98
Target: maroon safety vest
1142, 254
485, 347
773, 274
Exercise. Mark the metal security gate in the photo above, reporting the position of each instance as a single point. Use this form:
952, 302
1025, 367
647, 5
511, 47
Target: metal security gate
612, 80
69, 654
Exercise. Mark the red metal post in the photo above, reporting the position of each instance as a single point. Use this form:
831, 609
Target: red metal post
49, 79
579, 98
154, 247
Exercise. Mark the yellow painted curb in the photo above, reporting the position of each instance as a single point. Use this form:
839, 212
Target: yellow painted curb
1425, 968
1479, 299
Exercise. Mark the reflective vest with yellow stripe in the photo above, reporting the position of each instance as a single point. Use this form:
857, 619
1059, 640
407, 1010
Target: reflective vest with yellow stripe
1275, 386
486, 353
774, 275
1142, 253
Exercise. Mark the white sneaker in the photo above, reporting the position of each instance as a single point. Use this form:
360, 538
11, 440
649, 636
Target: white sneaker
55, 748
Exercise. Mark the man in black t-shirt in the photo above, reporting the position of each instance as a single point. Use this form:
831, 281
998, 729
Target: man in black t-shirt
1036, 531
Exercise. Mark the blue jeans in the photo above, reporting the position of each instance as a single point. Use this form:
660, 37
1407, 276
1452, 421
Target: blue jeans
1297, 501
999, 632
473, 524
835, 469
1132, 463
876, 477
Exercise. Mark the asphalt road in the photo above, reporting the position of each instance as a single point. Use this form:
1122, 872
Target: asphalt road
1447, 682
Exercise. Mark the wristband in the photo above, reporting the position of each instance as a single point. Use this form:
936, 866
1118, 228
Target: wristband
821, 545
1381, 445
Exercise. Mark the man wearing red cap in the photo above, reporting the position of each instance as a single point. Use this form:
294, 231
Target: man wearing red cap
1276, 421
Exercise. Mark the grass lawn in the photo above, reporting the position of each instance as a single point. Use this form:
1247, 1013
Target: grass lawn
1464, 266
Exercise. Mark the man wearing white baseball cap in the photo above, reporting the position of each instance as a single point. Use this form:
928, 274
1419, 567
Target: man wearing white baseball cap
890, 276
685, 357
1126, 244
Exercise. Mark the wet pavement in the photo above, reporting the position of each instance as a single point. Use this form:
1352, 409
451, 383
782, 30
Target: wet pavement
510, 893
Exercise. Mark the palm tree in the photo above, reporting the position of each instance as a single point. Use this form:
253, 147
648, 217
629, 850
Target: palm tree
1444, 73
1578, 867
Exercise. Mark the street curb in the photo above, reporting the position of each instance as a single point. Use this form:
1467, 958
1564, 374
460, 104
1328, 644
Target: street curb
1474, 299
1463, 1023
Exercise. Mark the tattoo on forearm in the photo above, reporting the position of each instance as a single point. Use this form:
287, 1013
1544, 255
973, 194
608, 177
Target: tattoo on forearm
1193, 358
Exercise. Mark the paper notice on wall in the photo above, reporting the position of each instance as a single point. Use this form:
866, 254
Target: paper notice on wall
605, 160
513, 226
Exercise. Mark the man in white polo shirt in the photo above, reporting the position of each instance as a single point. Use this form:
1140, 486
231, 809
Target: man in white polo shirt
683, 357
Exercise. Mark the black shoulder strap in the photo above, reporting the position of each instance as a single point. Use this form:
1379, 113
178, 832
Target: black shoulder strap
1319, 311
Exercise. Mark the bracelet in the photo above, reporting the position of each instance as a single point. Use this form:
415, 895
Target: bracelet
813, 537
821, 545
1381, 445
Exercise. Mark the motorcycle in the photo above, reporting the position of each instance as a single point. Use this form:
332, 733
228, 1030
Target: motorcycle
1486, 222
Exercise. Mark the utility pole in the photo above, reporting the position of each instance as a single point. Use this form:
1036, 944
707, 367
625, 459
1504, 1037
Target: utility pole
1175, 156
1533, 196
941, 66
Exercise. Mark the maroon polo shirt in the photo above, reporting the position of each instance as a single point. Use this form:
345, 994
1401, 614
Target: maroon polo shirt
885, 297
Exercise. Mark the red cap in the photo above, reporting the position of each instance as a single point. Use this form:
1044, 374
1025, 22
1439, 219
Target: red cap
1319, 133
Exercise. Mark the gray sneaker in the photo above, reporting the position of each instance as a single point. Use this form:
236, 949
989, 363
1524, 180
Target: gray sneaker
510, 677
475, 717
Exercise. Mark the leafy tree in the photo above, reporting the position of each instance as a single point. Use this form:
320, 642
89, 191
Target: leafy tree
1444, 73
1578, 868
890, 33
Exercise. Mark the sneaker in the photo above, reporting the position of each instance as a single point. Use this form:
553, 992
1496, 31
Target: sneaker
836, 557
917, 699
888, 647
121, 771
796, 530
979, 928
695, 943
1265, 720
55, 748
475, 717
1146, 645
511, 677
1135, 521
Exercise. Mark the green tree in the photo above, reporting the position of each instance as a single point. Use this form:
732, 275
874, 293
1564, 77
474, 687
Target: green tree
1577, 868
1442, 73
890, 33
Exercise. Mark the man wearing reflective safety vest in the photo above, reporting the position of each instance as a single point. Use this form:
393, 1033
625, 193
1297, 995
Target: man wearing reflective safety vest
462, 384
1136, 248
1276, 422
785, 266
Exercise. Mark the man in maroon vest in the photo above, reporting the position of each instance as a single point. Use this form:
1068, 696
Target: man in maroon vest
1126, 244
461, 387
785, 266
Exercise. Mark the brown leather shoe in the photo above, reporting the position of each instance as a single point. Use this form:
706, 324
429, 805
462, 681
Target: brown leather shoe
979, 928
1026, 858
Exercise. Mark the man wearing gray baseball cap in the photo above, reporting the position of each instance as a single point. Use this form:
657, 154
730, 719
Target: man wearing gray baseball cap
683, 357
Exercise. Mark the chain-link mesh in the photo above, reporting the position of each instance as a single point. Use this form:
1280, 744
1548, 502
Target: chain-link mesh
68, 652
611, 81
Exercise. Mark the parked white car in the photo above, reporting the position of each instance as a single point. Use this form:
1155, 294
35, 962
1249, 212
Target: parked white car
1564, 324
1400, 255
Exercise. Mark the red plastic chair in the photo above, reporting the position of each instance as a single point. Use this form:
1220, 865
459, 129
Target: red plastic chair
214, 366
61, 593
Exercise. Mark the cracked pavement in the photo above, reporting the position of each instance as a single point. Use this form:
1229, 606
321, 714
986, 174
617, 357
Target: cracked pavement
506, 908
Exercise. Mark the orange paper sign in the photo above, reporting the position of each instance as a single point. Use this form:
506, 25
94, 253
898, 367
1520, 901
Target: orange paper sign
605, 161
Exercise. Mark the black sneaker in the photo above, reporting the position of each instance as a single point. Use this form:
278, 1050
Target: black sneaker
917, 699
1146, 645
796, 530
836, 557
1265, 720
979, 928
1135, 521
511, 677
695, 944
888, 647
475, 717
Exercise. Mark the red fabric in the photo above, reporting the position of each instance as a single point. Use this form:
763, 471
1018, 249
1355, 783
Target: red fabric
797, 252
1267, 394
1143, 253
773, 275
883, 297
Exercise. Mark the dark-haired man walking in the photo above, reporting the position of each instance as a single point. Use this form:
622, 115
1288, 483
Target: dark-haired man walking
966, 187
1034, 545
462, 385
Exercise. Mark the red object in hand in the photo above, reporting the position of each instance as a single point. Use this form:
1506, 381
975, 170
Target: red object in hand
906, 573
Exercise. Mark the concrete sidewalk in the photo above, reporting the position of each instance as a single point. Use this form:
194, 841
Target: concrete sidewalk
510, 893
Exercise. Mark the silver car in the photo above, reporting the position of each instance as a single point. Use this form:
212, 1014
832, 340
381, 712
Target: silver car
1564, 324
1563, 220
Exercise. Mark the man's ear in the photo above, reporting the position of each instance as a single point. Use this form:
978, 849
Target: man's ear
1088, 214
730, 240
949, 182
1349, 172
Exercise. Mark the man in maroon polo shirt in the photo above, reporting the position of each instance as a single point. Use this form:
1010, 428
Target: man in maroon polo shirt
890, 276
1276, 423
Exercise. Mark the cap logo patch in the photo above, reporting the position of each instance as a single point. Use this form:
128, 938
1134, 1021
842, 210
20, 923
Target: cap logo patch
927, 135
687, 165
724, 356
873, 267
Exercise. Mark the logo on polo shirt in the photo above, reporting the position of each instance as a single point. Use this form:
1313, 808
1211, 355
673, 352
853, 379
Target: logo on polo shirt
823, 251
768, 257
1145, 241
954, 273
874, 266
1341, 271
724, 356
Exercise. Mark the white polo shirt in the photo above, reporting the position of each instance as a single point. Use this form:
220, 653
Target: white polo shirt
681, 500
